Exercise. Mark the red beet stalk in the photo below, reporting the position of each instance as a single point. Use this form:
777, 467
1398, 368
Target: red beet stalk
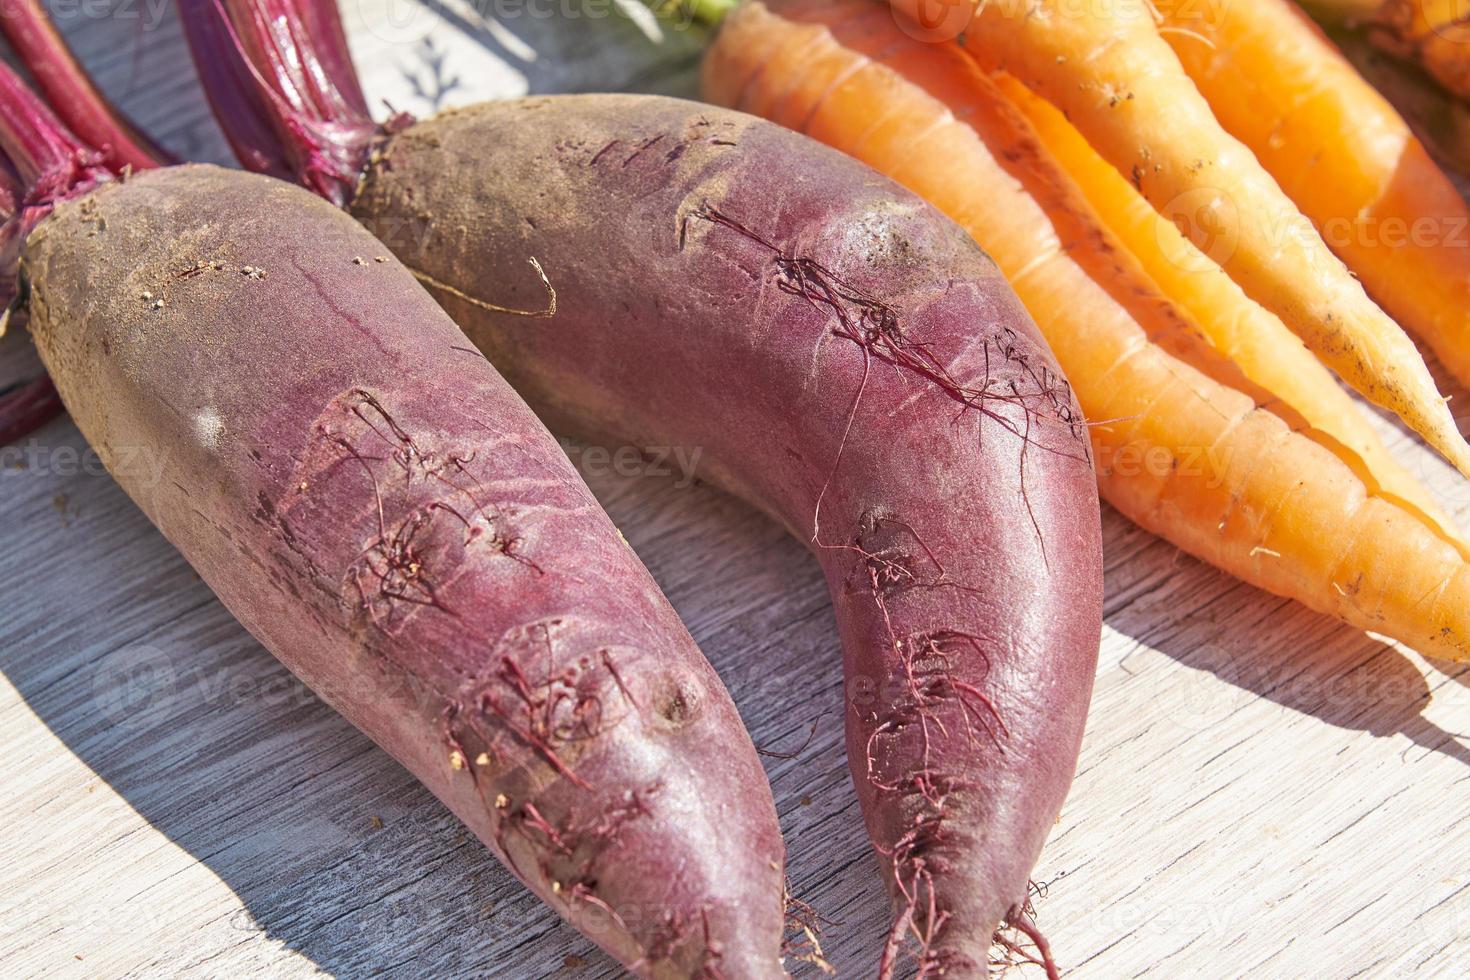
43, 163
279, 77
68, 88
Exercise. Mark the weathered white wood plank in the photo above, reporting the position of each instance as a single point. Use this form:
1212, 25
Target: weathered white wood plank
1261, 791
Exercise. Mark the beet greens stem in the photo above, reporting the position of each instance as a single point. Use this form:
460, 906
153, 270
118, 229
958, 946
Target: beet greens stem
708, 13
69, 90
280, 80
43, 163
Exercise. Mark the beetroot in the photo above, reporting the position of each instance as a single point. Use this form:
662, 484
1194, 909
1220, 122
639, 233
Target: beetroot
852, 363
376, 505
660, 272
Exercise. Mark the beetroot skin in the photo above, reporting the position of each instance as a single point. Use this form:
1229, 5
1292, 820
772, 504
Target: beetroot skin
845, 358
377, 506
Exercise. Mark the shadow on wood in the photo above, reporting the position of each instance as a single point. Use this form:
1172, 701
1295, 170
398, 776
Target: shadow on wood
597, 38
1264, 647
332, 849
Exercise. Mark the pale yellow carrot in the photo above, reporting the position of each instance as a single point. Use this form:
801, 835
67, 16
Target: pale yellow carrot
1109, 69
1250, 336
1343, 155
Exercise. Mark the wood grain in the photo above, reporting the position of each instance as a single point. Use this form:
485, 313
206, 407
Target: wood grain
1262, 791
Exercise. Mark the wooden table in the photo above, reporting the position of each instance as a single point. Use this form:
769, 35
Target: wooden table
1262, 791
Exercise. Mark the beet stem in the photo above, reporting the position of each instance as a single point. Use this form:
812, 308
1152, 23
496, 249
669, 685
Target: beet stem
279, 77
70, 91
26, 407
43, 163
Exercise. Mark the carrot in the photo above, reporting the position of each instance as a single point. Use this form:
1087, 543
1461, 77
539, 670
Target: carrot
1178, 452
1343, 155
1439, 119
374, 503
845, 358
1428, 33
28, 405
1242, 331
1109, 70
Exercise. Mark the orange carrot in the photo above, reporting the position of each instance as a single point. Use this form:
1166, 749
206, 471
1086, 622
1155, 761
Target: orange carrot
1109, 69
1244, 332
1430, 33
1343, 155
1178, 452
1439, 119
